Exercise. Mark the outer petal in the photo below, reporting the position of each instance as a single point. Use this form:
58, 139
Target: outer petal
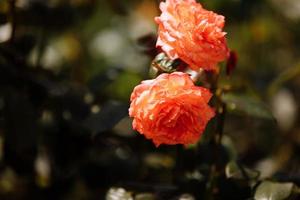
191, 33
170, 109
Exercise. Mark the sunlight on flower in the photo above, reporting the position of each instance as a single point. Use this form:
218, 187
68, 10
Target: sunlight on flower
170, 109
191, 33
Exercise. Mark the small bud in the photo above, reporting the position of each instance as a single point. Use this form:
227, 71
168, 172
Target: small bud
231, 62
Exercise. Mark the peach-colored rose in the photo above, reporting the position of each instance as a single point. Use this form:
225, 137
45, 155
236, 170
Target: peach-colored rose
191, 33
170, 109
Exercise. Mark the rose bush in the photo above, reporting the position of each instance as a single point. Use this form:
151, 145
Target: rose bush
191, 33
170, 109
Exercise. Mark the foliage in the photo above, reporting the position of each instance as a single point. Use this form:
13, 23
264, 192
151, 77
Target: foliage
67, 69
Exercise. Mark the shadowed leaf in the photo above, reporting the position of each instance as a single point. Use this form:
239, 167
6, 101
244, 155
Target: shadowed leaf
109, 115
236, 171
243, 104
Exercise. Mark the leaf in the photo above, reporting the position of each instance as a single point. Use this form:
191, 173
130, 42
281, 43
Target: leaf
164, 64
236, 171
285, 76
118, 193
145, 196
156, 160
243, 104
230, 147
123, 86
109, 115
269, 190
186, 197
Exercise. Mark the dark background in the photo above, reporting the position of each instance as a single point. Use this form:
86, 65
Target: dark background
67, 69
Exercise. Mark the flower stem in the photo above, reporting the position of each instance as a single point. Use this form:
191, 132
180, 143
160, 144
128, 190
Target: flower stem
216, 140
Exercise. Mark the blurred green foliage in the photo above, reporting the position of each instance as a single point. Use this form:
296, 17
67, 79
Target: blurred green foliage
67, 68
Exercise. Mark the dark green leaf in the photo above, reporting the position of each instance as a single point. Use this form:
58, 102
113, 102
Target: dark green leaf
123, 86
110, 114
164, 64
237, 171
243, 104
145, 196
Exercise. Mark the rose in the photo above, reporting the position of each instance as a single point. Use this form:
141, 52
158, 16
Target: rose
170, 109
191, 33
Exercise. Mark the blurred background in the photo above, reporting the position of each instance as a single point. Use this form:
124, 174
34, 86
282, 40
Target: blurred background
67, 68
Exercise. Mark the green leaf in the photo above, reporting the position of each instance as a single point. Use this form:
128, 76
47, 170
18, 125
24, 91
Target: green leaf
284, 77
164, 63
123, 85
108, 116
269, 190
145, 196
243, 104
230, 147
118, 193
236, 171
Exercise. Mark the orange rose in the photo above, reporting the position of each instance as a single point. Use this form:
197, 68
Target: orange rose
170, 109
191, 33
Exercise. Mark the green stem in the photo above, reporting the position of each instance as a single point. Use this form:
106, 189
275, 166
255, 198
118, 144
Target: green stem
216, 140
